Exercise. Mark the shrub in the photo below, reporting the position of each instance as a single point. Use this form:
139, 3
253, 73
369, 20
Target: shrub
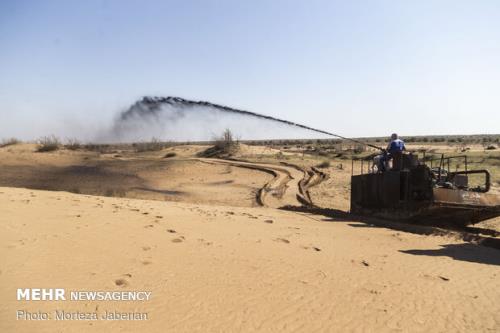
48, 143
153, 145
226, 144
491, 147
359, 148
98, 148
72, 144
169, 155
9, 142
324, 164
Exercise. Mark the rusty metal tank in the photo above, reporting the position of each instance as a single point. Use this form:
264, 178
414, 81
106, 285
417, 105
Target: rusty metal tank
429, 193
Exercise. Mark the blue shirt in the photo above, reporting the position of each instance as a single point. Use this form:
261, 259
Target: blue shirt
396, 146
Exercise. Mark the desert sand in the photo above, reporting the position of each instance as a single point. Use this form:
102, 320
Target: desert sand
209, 240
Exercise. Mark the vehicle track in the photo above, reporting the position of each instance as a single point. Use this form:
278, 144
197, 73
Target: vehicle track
289, 186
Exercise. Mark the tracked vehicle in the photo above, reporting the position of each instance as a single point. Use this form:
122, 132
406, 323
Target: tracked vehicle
424, 191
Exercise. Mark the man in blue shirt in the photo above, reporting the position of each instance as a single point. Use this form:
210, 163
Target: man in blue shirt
396, 146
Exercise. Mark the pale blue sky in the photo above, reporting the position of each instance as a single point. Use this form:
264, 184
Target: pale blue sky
358, 68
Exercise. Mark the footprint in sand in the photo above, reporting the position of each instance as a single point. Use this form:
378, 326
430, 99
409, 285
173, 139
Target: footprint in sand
268, 221
146, 262
204, 242
172, 231
317, 249
149, 226
121, 282
146, 248
178, 240
282, 240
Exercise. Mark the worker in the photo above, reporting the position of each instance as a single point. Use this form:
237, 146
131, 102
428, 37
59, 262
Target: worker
395, 147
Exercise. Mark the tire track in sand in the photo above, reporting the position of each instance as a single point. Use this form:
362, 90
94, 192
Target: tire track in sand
289, 186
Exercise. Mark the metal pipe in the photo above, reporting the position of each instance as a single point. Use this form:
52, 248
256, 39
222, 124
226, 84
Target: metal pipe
441, 163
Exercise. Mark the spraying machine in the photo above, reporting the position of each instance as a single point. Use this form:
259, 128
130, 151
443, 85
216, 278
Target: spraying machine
423, 191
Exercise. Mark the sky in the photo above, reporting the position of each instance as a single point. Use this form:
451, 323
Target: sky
356, 68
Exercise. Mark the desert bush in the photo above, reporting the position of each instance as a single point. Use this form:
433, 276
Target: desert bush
226, 142
359, 148
99, 148
169, 155
324, 164
223, 146
491, 147
72, 144
48, 143
9, 142
153, 145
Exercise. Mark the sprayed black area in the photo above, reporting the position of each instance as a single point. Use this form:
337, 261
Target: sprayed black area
152, 106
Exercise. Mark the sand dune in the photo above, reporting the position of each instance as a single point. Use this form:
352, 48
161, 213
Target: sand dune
222, 268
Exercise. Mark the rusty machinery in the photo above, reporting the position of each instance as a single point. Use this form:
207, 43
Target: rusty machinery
424, 191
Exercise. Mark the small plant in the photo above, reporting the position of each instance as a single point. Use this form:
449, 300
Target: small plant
491, 147
280, 155
324, 164
48, 143
153, 145
359, 148
98, 148
226, 143
224, 146
9, 142
73, 144
169, 155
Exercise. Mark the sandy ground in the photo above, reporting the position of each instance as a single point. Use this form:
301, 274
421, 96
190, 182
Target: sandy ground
221, 268
214, 260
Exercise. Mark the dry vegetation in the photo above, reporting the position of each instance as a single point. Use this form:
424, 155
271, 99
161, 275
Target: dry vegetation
9, 142
48, 143
153, 145
72, 144
224, 146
